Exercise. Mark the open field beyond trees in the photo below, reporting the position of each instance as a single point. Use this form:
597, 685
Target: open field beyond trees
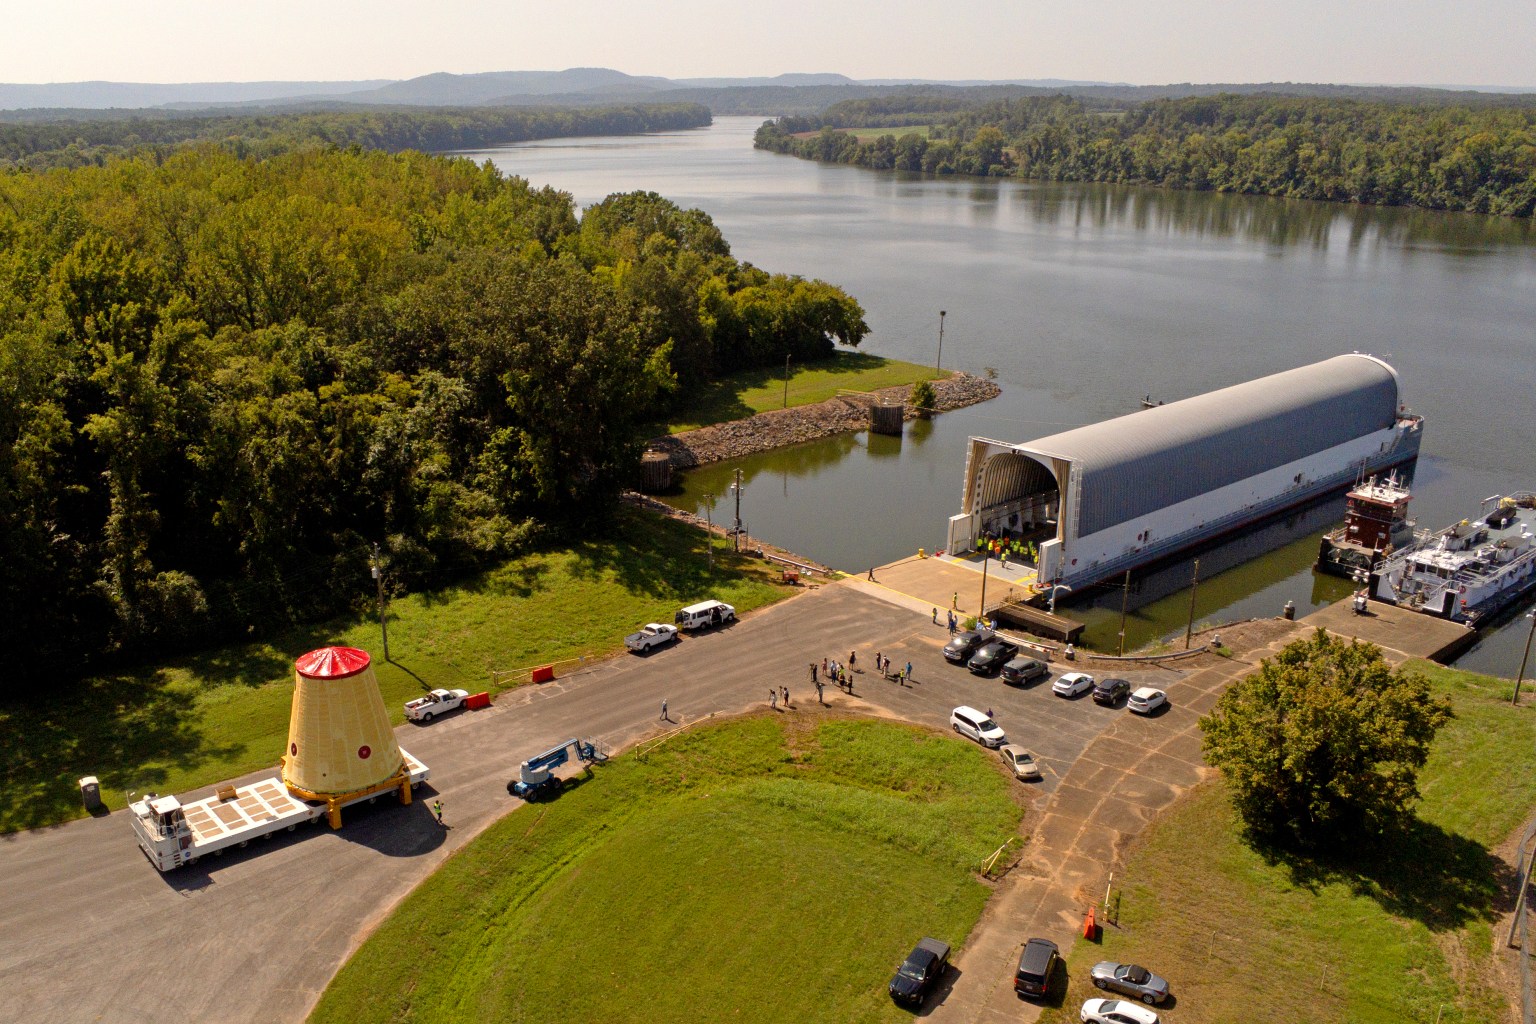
214, 716
766, 869
749, 392
1402, 933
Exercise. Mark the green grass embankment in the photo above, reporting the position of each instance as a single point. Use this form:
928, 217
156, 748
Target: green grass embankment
220, 714
753, 391
764, 870
1404, 933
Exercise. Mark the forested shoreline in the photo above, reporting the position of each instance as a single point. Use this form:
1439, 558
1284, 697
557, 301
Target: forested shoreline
1439, 157
224, 380
40, 144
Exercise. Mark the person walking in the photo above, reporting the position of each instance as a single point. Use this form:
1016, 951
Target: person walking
786, 696
773, 699
871, 574
823, 666
954, 602
664, 717
437, 811
820, 695
853, 658
877, 662
908, 673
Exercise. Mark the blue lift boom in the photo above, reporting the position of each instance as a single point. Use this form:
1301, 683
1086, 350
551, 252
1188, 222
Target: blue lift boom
536, 777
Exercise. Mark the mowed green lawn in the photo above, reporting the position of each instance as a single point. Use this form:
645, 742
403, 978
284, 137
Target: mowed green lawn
746, 394
1404, 934
769, 869
221, 714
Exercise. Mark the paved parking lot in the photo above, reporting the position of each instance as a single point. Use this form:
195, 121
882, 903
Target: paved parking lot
90, 931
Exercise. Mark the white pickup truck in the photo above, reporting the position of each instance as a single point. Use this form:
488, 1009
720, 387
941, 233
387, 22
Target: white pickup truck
652, 634
438, 702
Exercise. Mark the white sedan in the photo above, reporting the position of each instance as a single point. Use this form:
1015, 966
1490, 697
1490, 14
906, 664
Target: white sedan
1072, 684
1116, 1011
1146, 700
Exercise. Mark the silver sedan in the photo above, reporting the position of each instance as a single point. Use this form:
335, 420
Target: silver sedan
1131, 980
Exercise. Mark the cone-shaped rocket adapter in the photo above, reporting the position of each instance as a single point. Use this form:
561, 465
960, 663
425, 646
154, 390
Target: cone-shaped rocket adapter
339, 737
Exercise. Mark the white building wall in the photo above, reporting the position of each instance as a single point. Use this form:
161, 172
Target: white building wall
1082, 554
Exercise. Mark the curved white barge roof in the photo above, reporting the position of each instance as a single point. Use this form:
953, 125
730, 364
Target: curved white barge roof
1147, 460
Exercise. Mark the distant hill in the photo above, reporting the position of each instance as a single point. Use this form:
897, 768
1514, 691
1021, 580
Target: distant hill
103, 95
781, 94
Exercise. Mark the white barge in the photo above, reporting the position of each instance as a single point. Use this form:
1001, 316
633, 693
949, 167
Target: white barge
1095, 501
173, 834
1469, 571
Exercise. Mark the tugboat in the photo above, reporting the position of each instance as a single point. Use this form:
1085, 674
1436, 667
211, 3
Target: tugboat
1375, 523
1469, 571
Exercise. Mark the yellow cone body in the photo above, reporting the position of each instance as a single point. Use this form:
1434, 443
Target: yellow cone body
339, 736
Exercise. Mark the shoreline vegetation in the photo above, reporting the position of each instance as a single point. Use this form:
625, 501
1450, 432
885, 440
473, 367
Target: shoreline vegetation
37, 145
1476, 159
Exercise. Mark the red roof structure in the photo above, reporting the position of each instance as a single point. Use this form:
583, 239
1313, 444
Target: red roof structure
332, 663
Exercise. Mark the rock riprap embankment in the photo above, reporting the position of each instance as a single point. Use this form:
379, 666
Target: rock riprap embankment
782, 427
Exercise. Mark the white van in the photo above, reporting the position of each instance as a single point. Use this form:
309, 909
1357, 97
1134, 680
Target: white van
968, 721
704, 614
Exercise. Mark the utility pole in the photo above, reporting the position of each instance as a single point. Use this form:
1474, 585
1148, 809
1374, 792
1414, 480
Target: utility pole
1125, 597
378, 576
1194, 582
786, 380
937, 363
985, 555
1521, 677
737, 532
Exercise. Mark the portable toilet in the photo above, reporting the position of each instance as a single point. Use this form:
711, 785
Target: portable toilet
340, 742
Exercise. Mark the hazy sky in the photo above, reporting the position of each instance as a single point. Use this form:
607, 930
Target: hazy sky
1471, 42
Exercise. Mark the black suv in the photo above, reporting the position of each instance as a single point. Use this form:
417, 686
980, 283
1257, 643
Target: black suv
919, 972
963, 645
1022, 670
991, 657
1110, 692
1037, 968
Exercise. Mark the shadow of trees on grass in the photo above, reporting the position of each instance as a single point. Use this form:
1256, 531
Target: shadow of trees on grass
1415, 870
121, 728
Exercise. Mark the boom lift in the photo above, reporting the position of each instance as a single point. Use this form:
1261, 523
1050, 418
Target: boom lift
536, 779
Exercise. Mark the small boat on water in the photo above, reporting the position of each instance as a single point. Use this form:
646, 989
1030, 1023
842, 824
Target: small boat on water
1376, 523
1469, 571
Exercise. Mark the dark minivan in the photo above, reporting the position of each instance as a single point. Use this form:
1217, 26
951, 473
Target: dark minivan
1110, 692
1037, 968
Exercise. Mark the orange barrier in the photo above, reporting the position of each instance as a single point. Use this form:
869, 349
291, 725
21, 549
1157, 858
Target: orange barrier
477, 700
1090, 928
543, 674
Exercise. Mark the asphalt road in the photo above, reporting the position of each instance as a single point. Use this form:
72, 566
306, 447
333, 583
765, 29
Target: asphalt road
89, 931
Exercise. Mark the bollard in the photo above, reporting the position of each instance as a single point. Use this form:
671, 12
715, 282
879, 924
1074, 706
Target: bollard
920, 553
1290, 611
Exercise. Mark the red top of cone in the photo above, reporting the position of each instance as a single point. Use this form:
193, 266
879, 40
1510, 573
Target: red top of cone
332, 663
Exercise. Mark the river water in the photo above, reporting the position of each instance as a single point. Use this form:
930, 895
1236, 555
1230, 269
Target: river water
1081, 299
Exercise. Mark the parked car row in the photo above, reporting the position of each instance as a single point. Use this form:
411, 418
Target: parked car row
1039, 974
1110, 692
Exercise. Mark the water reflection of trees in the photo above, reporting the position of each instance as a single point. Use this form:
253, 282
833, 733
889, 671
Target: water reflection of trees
1278, 222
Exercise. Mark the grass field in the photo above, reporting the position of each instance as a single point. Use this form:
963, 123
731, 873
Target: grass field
1402, 934
867, 134
221, 714
764, 870
754, 391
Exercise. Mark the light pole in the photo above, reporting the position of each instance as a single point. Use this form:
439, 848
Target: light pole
986, 553
736, 489
939, 362
709, 530
1521, 677
378, 576
1194, 583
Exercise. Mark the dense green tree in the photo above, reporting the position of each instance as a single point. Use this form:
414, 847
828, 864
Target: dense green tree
1323, 743
224, 378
